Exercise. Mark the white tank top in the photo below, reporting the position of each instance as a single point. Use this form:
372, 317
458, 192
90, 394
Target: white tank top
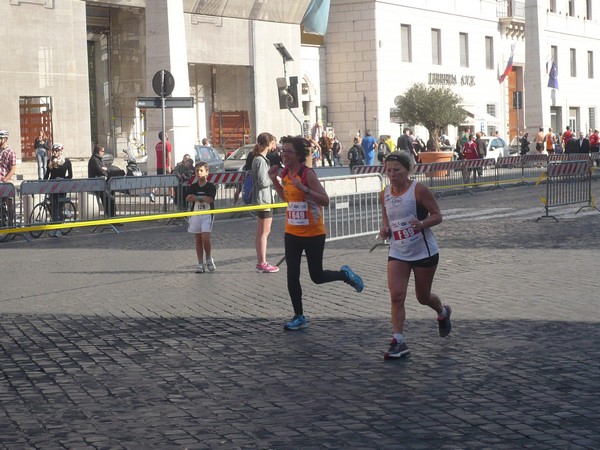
406, 243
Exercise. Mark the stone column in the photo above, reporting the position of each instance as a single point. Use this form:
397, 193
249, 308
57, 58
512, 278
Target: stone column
166, 48
537, 93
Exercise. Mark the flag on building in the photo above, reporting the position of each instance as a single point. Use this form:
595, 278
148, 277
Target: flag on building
316, 17
553, 77
509, 64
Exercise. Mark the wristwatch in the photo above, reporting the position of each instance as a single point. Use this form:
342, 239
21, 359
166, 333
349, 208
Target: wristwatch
307, 190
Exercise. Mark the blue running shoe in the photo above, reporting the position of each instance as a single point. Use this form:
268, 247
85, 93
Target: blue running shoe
298, 322
353, 279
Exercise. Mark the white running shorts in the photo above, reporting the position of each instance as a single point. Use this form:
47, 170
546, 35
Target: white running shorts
201, 224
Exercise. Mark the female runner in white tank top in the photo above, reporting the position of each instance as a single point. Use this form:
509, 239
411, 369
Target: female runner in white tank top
409, 212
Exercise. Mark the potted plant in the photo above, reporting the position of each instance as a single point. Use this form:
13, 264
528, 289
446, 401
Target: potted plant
434, 108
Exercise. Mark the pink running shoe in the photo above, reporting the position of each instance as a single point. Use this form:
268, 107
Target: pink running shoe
266, 268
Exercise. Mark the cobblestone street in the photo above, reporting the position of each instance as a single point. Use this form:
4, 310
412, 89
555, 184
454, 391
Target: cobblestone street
111, 341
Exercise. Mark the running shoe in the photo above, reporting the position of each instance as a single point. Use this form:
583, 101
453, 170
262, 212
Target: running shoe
353, 279
396, 350
210, 264
266, 268
298, 322
152, 197
55, 233
444, 324
200, 268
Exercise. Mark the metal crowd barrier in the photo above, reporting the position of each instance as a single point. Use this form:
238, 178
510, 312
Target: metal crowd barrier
354, 205
146, 195
86, 200
229, 187
567, 183
458, 176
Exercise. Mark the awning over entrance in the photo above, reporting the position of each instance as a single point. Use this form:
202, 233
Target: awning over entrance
475, 116
271, 11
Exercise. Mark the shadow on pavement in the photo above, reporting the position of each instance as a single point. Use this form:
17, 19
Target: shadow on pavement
185, 382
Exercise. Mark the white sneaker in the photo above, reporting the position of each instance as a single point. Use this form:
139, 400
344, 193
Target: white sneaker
200, 268
210, 264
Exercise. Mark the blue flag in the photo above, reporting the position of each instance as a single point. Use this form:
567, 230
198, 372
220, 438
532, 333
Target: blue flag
316, 17
553, 77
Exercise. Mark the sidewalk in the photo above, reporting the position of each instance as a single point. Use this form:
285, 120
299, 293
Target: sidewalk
111, 341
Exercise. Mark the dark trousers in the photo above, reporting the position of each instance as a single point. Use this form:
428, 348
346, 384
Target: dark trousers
108, 203
56, 202
313, 247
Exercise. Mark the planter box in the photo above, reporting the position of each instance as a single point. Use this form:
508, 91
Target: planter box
431, 157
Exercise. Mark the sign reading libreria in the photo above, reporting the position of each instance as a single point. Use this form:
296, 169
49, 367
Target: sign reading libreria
449, 79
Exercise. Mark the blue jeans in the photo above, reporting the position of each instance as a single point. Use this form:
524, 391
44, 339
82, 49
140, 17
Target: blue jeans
337, 160
41, 155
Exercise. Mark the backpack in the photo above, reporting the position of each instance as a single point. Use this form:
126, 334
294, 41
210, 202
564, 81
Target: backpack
248, 188
383, 149
352, 154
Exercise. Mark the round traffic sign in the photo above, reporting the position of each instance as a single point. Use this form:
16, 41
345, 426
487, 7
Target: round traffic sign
163, 83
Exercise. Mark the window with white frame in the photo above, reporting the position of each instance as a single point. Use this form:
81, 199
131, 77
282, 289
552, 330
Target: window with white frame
464, 49
590, 64
489, 52
406, 40
436, 46
573, 60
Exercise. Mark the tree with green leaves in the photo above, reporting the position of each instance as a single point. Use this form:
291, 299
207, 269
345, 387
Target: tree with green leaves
433, 107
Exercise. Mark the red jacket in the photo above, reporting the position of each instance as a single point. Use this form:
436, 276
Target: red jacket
470, 150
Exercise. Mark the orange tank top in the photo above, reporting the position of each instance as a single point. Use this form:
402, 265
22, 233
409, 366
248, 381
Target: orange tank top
303, 217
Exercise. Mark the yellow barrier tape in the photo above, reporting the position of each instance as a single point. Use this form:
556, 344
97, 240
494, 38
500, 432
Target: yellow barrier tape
115, 220
542, 177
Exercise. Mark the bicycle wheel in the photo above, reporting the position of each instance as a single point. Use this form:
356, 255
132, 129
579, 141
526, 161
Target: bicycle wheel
39, 215
4, 222
69, 215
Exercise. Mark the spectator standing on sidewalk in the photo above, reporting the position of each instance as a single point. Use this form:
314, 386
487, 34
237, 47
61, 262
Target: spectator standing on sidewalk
59, 168
369, 144
550, 141
383, 149
262, 194
184, 171
202, 195
163, 165
566, 137
595, 146
525, 144
325, 144
97, 168
8, 168
409, 210
41, 153
304, 226
356, 154
539, 140
336, 148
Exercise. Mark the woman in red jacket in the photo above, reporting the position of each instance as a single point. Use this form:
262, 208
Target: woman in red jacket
470, 151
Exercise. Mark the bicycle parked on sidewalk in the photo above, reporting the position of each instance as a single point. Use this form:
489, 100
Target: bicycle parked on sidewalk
4, 220
42, 213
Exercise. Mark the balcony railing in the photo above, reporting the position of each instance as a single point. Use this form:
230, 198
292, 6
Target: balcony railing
511, 9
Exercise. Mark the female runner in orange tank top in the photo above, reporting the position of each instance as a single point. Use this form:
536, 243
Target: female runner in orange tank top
304, 225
